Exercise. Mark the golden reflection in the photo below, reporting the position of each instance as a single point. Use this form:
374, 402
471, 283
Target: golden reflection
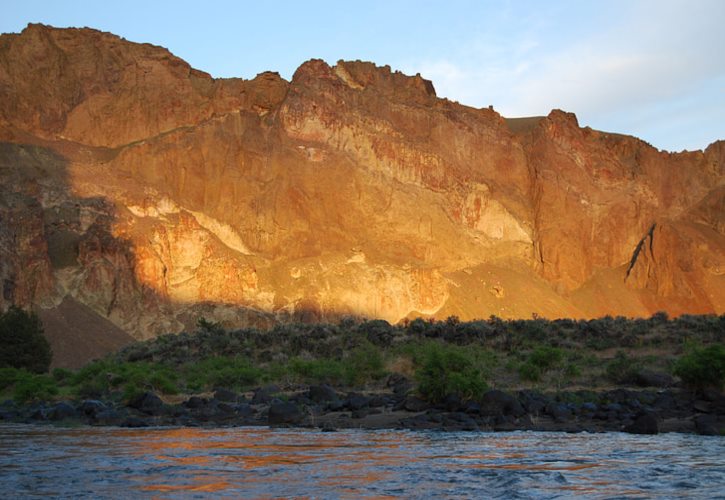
208, 487
247, 462
339, 458
193, 460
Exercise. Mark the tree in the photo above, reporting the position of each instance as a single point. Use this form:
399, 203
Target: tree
22, 343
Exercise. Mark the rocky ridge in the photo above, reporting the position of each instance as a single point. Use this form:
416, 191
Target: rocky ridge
146, 194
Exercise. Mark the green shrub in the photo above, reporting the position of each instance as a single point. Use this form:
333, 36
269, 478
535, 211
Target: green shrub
529, 371
23, 343
9, 375
571, 370
61, 374
91, 389
152, 376
444, 370
318, 371
702, 367
622, 369
553, 363
364, 363
27, 386
131, 391
229, 372
546, 358
33, 387
99, 378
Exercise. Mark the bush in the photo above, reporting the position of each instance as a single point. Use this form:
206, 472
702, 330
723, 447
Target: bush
33, 387
228, 372
318, 371
22, 341
622, 369
365, 363
554, 363
529, 371
702, 367
101, 377
546, 358
61, 374
444, 370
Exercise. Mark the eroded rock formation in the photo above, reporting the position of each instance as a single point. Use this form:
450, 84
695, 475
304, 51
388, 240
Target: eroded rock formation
151, 194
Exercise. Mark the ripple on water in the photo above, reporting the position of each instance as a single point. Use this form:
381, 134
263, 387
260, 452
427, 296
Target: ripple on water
260, 462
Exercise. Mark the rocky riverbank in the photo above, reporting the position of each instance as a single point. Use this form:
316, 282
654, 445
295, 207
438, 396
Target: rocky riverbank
322, 407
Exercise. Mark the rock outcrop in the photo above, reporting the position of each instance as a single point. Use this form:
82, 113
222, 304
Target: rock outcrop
151, 194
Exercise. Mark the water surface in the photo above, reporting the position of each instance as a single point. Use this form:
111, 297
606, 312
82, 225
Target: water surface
267, 463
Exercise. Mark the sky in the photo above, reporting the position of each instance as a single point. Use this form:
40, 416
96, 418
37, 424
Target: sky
650, 68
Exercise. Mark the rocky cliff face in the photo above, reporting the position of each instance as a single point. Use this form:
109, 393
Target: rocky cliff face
151, 194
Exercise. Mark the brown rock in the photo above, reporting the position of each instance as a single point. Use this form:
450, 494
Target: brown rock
152, 194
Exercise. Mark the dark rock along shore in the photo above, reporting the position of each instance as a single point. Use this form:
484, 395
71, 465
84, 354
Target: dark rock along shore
322, 407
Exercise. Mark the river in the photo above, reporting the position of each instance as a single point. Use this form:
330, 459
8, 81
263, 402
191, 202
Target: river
255, 462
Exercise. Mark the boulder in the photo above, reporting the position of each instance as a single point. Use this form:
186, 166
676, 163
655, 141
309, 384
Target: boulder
265, 394
702, 406
322, 393
148, 403
379, 401
225, 408
589, 407
108, 416
560, 412
91, 407
281, 413
533, 402
706, 425
357, 401
452, 402
472, 407
134, 422
226, 395
644, 424
648, 378
8, 410
400, 384
244, 410
62, 411
497, 402
413, 403
458, 421
195, 402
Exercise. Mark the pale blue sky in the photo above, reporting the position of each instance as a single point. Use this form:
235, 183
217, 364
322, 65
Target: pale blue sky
650, 68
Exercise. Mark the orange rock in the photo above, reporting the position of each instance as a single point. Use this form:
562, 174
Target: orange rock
149, 193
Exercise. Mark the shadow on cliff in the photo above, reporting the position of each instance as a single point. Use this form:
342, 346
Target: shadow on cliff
60, 256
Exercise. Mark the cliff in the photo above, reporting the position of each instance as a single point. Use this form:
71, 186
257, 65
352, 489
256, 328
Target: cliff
144, 192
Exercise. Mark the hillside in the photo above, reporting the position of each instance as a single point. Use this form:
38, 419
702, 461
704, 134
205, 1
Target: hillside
145, 192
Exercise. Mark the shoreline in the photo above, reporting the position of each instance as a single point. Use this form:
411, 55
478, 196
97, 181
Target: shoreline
321, 408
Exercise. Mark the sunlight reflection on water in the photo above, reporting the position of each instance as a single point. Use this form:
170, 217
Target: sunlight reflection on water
268, 463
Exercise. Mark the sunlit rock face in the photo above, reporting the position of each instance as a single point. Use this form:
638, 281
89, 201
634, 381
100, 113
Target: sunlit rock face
152, 194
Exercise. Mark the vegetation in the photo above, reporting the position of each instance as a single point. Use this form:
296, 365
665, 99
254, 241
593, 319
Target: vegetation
622, 369
443, 370
26, 386
702, 367
444, 358
22, 342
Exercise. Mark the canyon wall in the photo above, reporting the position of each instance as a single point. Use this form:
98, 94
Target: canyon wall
140, 194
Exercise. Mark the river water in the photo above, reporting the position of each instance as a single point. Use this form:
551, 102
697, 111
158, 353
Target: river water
39, 461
